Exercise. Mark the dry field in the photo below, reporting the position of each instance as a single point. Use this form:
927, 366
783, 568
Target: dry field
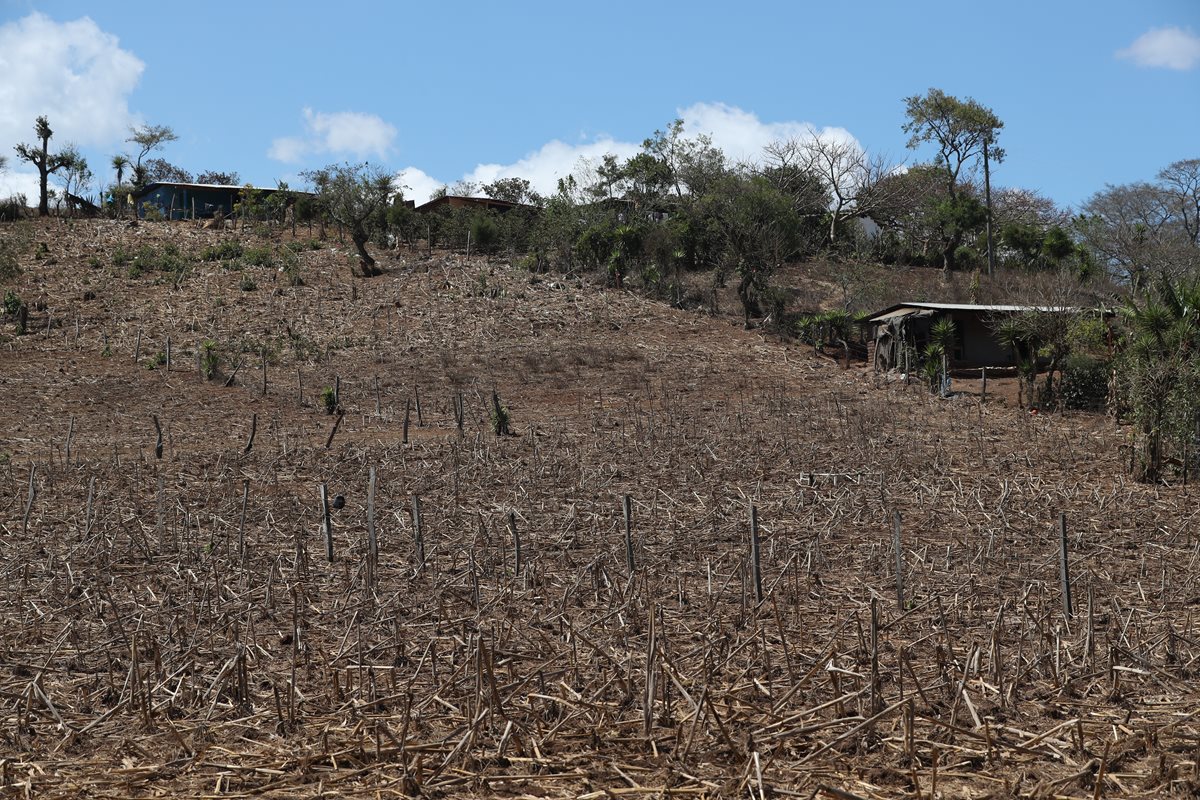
173, 624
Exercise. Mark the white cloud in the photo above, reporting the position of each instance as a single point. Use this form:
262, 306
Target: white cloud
341, 133
740, 134
73, 73
416, 184
553, 160
1171, 48
16, 181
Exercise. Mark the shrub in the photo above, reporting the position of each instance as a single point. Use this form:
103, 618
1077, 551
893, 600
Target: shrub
210, 359
151, 212
501, 417
10, 263
247, 284
329, 400
13, 207
1084, 385
225, 251
12, 303
259, 256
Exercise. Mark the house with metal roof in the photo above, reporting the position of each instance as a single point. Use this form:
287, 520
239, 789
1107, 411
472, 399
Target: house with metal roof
898, 334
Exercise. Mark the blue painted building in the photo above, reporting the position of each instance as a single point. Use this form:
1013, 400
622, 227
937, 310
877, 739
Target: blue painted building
192, 200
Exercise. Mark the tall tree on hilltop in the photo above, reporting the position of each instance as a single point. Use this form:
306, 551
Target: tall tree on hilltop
148, 138
47, 163
963, 132
357, 197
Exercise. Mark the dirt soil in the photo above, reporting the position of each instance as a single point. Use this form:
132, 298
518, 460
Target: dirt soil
178, 624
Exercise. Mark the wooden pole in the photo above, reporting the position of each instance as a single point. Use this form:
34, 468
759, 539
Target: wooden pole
418, 534
627, 512
512, 527
1064, 566
242, 518
326, 523
29, 500
250, 439
899, 560
755, 556
372, 540
158, 446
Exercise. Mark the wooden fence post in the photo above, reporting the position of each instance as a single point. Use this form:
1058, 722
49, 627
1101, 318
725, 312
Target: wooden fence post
1064, 566
755, 557
326, 523
627, 512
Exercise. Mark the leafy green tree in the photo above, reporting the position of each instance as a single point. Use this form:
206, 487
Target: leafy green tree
159, 169
218, 178
402, 219
962, 131
761, 231
47, 163
484, 232
923, 220
356, 196
511, 190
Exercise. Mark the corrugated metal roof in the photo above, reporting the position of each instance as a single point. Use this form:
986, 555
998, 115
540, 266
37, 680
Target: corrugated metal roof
900, 309
149, 187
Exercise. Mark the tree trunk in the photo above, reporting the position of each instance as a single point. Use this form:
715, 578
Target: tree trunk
369, 268
743, 291
1148, 467
44, 197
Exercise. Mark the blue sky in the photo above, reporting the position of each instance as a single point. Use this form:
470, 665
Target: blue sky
1091, 91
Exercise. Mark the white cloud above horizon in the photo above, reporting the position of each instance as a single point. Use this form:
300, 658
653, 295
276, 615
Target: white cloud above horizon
1168, 48
73, 73
741, 134
340, 133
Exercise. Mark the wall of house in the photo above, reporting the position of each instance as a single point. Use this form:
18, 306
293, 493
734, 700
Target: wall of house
181, 198
979, 346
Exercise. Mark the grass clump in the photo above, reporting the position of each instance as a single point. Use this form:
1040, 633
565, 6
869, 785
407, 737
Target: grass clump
258, 256
210, 359
224, 251
329, 400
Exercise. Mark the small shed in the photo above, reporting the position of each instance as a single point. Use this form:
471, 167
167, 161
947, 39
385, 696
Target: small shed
903, 330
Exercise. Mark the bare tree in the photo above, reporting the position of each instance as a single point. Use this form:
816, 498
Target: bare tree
74, 177
1134, 230
1181, 181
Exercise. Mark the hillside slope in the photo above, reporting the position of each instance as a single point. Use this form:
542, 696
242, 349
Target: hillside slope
173, 625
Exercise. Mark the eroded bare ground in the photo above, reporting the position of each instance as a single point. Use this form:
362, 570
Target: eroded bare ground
178, 641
